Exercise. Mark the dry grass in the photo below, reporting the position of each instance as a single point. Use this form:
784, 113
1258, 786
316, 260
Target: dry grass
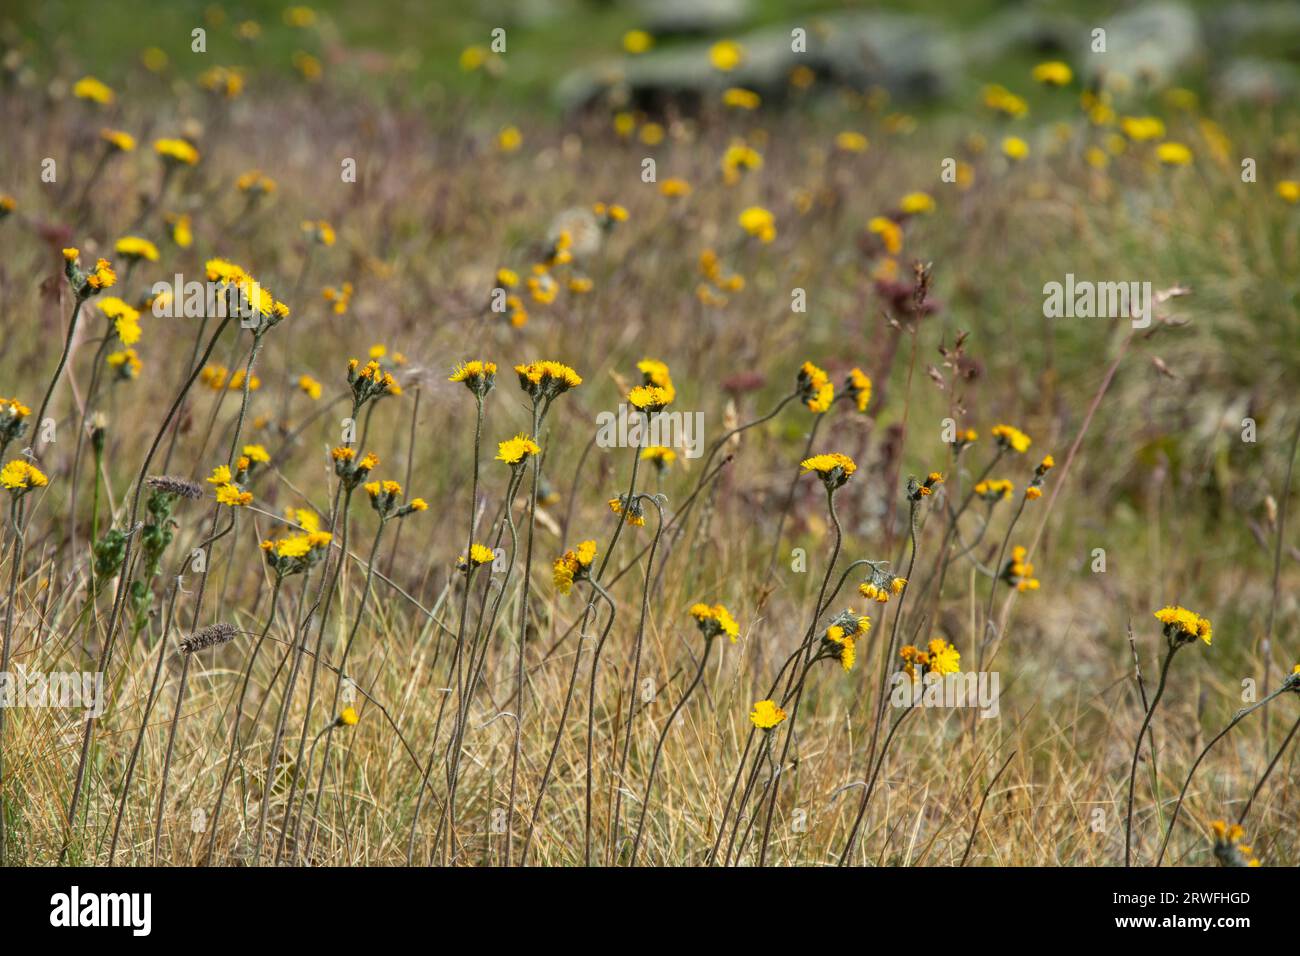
1160, 479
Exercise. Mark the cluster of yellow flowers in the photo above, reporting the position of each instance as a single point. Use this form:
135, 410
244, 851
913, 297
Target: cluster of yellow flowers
815, 388
1011, 438
713, 291
19, 476
839, 641
939, 657
881, 585
1228, 848
1182, 625
994, 489
1018, 572
714, 619
573, 565
515, 451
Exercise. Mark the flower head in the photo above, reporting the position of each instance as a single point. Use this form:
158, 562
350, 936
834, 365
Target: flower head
835, 469
1229, 849
515, 451
1183, 626
766, 715
547, 379
1011, 438
714, 619
839, 642
573, 565
649, 398
858, 388
479, 555
479, 377
759, 222
1018, 572
19, 477
815, 388
176, 152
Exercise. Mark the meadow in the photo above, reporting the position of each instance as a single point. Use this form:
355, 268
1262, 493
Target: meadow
362, 584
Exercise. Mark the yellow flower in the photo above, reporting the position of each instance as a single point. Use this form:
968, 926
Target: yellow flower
1173, 154
759, 222
1012, 438
635, 516
1142, 128
1184, 625
1015, 148
660, 455
230, 495
739, 158
89, 88
256, 453
1053, 73
514, 450
649, 398
916, 203
859, 388
126, 361
766, 714
726, 55
472, 57
182, 234
944, 658
348, 717
637, 41
994, 489
319, 231
741, 98
652, 134
19, 475
573, 565
176, 151
1002, 100
478, 376
547, 378
309, 386
1289, 190
118, 140
832, 467
815, 388
849, 141
509, 139
507, 278
133, 247
714, 620
675, 187
299, 16
479, 555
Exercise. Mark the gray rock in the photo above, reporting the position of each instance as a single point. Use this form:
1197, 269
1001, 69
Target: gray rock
1039, 32
679, 17
912, 57
1256, 81
1154, 42
1240, 25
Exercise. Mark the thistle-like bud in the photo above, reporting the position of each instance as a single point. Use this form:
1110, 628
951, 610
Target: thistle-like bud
210, 636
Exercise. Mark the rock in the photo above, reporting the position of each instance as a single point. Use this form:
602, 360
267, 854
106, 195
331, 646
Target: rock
1249, 25
1041, 33
693, 17
1256, 81
1153, 43
912, 57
